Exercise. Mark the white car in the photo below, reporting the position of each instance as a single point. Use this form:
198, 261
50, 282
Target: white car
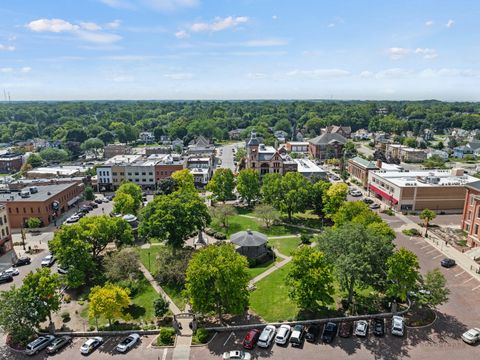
12, 271
398, 326
266, 336
472, 336
237, 355
129, 342
361, 329
73, 219
283, 334
355, 193
48, 261
90, 345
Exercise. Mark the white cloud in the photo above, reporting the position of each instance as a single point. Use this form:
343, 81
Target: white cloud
118, 4
394, 73
450, 23
274, 17
256, 76
115, 24
179, 76
52, 25
25, 69
219, 24
90, 26
7, 47
170, 5
87, 31
366, 74
181, 34
265, 43
120, 77
6, 70
449, 72
426, 53
429, 23
396, 53
318, 73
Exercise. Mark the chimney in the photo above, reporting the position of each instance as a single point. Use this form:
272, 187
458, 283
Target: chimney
379, 163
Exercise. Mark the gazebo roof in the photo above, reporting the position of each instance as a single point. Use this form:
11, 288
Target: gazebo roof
248, 238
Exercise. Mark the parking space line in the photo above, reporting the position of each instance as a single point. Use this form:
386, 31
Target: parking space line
431, 251
436, 257
164, 356
476, 287
460, 273
466, 281
229, 336
419, 242
423, 247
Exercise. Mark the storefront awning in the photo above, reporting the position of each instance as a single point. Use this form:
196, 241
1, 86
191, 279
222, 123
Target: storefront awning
383, 194
73, 200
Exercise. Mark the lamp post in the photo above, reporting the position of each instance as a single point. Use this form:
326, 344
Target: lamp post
22, 233
148, 260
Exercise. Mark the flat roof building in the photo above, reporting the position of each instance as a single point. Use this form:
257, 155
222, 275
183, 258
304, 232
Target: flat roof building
438, 190
309, 169
471, 214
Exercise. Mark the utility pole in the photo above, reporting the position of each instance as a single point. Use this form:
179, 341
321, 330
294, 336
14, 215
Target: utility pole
22, 233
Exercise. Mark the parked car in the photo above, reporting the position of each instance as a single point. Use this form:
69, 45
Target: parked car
38, 344
447, 263
86, 208
334, 178
398, 326
251, 338
329, 332
312, 333
48, 261
374, 206
12, 271
80, 214
109, 197
355, 193
22, 261
128, 343
58, 344
5, 278
472, 336
73, 219
346, 329
236, 354
90, 345
93, 204
361, 329
283, 333
266, 336
367, 201
378, 327
98, 201
62, 270
298, 334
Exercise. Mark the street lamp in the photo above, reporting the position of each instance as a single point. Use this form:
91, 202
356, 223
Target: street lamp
22, 232
148, 252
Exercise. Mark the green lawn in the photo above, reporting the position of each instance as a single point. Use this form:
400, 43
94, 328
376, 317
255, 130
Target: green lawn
238, 223
285, 246
257, 270
144, 256
270, 300
175, 294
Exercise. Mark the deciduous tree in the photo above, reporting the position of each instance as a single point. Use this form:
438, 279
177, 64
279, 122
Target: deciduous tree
222, 184
267, 213
334, 197
95, 145
89, 193
402, 273
436, 292
248, 185
184, 180
310, 279
122, 265
134, 191
109, 301
222, 213
217, 280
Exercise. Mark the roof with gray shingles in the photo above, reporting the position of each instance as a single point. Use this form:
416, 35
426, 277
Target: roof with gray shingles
248, 238
327, 138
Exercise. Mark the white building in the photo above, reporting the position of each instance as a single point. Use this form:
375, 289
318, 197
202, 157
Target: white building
309, 169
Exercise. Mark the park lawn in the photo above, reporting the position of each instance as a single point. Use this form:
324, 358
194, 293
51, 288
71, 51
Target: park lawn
270, 300
175, 294
238, 223
257, 270
285, 246
144, 255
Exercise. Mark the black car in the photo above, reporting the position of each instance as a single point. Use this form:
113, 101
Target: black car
447, 262
378, 327
5, 278
93, 204
367, 201
22, 261
329, 332
98, 201
312, 333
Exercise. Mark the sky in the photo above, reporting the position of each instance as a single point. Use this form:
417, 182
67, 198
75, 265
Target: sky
240, 49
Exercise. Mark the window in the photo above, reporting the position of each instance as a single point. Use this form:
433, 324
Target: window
24, 210
17, 210
469, 215
114, 174
144, 174
6, 229
471, 199
1, 221
476, 229
3, 233
38, 210
31, 210
136, 173
5, 219
467, 227
478, 215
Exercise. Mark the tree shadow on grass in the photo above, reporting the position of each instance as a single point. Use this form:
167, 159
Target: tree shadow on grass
135, 311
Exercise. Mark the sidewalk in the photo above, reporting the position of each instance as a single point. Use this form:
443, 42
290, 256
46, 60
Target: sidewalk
462, 260
275, 267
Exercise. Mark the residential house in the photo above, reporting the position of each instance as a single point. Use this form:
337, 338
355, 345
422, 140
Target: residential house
146, 137
345, 131
440, 153
472, 148
405, 154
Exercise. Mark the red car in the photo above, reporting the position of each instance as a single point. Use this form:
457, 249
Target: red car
251, 339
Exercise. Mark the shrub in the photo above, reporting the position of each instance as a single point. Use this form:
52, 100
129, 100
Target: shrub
161, 306
411, 232
33, 223
219, 236
388, 212
65, 316
166, 337
306, 239
209, 231
67, 298
202, 335
252, 262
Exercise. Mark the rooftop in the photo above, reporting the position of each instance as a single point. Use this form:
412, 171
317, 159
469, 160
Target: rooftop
328, 138
365, 163
248, 238
122, 159
406, 148
43, 193
425, 178
60, 170
307, 166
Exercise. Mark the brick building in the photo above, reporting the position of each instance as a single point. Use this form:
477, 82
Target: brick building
327, 146
405, 154
111, 150
6, 243
44, 202
10, 163
471, 214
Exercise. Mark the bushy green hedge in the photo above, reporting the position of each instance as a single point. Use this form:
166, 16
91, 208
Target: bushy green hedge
166, 337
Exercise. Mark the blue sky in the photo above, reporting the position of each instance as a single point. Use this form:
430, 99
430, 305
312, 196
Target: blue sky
240, 49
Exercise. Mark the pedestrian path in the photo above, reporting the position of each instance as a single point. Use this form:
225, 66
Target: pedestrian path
275, 267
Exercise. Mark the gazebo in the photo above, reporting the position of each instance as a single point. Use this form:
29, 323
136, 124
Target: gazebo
251, 244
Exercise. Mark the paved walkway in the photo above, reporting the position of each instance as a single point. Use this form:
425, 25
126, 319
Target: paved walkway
462, 260
275, 267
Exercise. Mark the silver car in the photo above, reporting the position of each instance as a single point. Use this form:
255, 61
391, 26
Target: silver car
266, 337
58, 344
129, 342
38, 344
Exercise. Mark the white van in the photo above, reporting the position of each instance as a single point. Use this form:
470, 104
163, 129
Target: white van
398, 327
39, 344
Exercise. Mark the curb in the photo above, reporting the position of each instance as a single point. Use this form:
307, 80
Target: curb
207, 343
163, 347
424, 326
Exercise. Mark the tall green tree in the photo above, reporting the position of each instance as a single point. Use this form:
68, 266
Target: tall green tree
317, 195
310, 279
35, 160
109, 301
272, 188
356, 212
222, 184
94, 145
122, 265
295, 194
436, 292
402, 273
222, 213
427, 215
172, 218
89, 193
334, 198
248, 185
134, 191
217, 281
54, 155
184, 180
359, 255
267, 213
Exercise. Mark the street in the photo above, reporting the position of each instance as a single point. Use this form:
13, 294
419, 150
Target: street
226, 155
